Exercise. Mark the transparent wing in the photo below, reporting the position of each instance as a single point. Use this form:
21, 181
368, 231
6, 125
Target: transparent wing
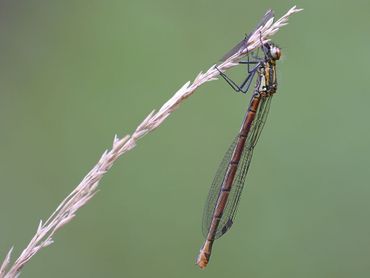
244, 42
238, 183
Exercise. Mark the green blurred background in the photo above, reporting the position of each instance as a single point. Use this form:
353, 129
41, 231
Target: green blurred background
74, 73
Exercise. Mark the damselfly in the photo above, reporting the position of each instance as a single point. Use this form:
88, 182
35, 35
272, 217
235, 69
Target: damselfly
227, 186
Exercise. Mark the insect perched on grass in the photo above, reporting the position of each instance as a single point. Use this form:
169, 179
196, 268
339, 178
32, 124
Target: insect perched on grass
228, 183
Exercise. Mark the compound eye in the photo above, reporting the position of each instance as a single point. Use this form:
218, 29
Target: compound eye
275, 53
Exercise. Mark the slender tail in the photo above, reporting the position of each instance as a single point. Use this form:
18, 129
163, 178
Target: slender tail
204, 254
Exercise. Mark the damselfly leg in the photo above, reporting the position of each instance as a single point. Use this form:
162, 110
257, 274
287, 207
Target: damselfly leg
246, 83
244, 86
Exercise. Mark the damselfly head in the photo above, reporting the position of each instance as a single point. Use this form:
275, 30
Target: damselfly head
274, 51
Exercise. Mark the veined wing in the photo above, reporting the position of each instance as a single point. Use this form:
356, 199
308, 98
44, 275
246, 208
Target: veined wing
239, 180
244, 42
